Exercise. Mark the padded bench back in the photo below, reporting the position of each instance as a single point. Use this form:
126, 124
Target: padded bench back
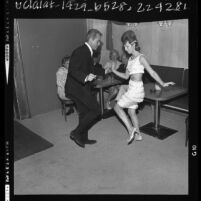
167, 74
185, 78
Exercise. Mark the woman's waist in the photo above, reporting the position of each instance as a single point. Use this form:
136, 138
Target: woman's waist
136, 82
137, 77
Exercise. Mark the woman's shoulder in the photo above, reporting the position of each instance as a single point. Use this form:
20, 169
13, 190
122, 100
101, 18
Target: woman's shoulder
142, 58
141, 55
61, 70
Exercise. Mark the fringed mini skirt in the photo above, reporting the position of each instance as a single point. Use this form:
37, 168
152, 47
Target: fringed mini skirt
133, 94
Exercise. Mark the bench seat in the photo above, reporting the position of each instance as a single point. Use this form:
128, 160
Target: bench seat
177, 75
179, 104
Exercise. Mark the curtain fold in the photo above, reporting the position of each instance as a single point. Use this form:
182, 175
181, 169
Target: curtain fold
109, 39
21, 103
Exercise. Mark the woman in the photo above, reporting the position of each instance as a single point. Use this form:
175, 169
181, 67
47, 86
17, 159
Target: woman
61, 76
112, 63
134, 91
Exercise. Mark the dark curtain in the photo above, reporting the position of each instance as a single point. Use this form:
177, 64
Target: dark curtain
21, 103
109, 39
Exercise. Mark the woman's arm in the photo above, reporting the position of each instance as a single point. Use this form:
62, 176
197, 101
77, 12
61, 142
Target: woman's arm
107, 67
122, 75
153, 73
60, 78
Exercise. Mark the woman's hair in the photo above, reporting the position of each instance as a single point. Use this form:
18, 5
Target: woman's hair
64, 59
114, 51
130, 37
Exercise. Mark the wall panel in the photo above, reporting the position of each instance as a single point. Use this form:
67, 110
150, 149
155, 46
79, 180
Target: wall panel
44, 42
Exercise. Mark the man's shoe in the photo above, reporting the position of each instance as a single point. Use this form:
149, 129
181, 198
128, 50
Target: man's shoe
77, 140
87, 141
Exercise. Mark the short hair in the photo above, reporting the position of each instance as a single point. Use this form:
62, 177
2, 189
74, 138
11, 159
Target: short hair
64, 59
129, 36
114, 51
92, 33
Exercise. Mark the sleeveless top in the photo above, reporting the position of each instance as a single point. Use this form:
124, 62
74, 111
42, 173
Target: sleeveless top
134, 65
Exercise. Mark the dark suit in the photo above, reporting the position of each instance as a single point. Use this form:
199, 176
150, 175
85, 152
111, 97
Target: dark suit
98, 70
80, 91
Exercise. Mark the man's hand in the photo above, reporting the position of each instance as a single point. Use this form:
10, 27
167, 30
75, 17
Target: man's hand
90, 77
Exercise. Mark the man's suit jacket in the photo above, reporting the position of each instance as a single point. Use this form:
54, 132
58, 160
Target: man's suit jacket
98, 70
80, 66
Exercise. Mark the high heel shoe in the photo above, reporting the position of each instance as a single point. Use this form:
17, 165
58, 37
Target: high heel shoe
132, 136
138, 136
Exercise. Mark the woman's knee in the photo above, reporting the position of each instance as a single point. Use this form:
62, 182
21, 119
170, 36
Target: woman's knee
131, 111
117, 107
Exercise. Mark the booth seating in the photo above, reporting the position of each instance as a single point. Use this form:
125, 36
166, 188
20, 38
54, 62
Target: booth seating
180, 77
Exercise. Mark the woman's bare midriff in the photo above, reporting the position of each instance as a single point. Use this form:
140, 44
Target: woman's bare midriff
136, 77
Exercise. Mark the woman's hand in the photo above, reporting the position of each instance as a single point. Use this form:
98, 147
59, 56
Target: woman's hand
166, 84
108, 70
113, 68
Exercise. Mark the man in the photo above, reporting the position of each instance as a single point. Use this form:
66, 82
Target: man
78, 87
97, 67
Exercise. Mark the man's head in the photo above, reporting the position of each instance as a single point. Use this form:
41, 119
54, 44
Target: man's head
94, 38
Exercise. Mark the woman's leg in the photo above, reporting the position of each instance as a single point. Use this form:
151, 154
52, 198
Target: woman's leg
122, 90
134, 119
122, 115
112, 93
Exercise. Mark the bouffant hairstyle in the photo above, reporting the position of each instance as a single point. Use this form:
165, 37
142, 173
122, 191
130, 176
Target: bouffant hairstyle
129, 36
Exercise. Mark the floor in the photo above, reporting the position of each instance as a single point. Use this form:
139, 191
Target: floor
110, 166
